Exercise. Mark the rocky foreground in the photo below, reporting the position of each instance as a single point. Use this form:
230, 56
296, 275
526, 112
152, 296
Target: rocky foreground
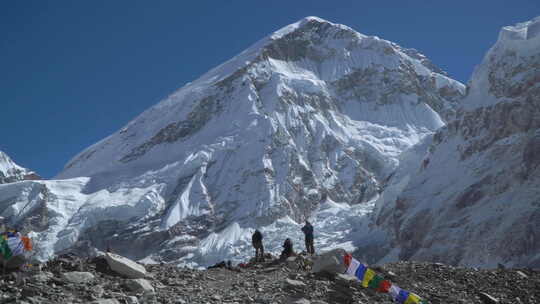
69, 279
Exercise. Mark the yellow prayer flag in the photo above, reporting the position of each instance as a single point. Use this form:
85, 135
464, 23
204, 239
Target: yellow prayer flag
367, 277
412, 299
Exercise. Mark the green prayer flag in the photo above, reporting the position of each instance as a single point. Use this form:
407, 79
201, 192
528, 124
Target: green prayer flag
375, 281
4, 249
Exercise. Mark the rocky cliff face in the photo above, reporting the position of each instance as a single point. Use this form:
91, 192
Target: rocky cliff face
473, 197
11, 172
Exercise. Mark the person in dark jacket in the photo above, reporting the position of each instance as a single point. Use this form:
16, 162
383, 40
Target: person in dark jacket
256, 240
308, 233
288, 250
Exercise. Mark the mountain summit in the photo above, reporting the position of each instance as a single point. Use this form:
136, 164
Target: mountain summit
309, 121
11, 172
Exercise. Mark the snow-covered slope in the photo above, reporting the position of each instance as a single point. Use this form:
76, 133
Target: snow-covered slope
471, 194
11, 172
310, 118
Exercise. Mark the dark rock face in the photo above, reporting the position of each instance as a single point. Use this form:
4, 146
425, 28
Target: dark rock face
68, 279
196, 119
120, 237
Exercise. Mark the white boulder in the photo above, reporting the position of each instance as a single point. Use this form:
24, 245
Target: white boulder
125, 266
331, 261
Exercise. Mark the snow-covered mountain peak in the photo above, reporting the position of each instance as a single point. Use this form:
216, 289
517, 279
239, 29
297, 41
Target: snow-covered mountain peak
6, 163
313, 115
321, 44
311, 22
524, 31
510, 67
11, 172
312, 57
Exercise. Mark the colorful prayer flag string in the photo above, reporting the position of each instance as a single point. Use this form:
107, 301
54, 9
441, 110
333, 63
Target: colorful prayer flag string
12, 244
369, 278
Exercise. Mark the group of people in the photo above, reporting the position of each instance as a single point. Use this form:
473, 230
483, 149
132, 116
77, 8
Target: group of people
288, 250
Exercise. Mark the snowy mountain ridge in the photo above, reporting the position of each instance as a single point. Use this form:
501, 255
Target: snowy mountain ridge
313, 113
314, 121
279, 55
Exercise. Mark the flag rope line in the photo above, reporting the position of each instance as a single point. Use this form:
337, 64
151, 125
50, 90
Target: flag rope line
369, 279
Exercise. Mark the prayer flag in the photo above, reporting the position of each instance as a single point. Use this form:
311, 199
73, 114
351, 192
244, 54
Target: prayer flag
375, 282
394, 291
360, 271
353, 266
15, 245
384, 286
347, 259
413, 299
4, 249
27, 243
402, 296
368, 276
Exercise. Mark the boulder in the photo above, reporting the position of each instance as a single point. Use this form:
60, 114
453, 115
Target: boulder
522, 274
331, 262
488, 299
132, 300
291, 262
97, 291
105, 301
294, 283
125, 266
139, 285
78, 277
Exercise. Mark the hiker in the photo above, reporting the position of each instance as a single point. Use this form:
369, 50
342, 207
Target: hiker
308, 233
288, 250
256, 240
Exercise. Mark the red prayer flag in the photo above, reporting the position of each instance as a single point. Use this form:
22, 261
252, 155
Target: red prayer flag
347, 259
27, 243
384, 286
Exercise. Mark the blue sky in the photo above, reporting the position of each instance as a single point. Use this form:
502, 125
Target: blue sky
73, 72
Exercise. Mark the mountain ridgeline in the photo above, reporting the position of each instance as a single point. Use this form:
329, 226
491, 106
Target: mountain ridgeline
380, 147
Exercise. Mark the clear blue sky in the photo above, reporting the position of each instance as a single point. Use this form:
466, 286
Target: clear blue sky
73, 72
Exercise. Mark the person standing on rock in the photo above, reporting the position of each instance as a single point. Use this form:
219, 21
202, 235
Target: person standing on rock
256, 240
308, 233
